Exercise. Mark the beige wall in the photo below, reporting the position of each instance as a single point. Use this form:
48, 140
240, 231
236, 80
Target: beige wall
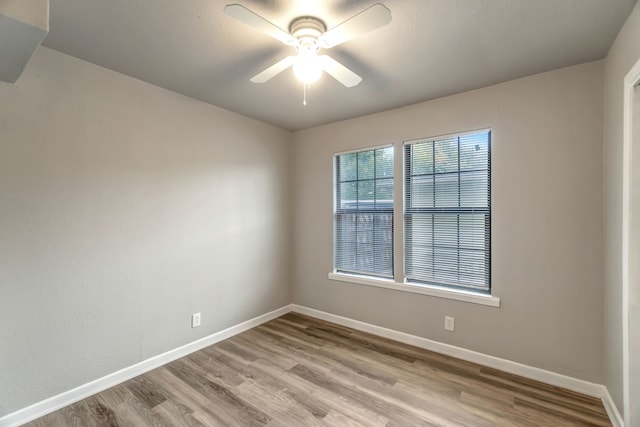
31, 12
624, 53
124, 209
547, 221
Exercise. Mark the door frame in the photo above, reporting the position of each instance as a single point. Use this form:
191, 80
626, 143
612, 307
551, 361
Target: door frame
631, 80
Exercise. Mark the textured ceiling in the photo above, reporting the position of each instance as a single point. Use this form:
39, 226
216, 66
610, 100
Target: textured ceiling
432, 48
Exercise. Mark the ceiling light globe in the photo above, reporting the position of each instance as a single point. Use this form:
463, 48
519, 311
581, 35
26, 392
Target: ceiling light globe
307, 69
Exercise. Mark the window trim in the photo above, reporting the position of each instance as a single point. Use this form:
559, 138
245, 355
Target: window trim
431, 290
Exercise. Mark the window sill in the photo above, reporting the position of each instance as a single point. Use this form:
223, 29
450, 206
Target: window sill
453, 294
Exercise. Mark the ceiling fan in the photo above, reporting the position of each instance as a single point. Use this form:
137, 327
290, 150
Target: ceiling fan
308, 35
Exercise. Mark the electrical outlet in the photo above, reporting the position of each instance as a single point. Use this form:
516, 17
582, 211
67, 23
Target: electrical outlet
449, 323
195, 320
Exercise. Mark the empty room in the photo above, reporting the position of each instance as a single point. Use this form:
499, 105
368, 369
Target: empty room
319, 213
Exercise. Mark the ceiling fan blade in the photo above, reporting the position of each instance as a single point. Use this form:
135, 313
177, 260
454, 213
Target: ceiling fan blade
243, 14
339, 71
274, 70
369, 19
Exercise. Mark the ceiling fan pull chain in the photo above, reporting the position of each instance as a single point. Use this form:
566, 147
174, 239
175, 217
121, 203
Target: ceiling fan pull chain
304, 94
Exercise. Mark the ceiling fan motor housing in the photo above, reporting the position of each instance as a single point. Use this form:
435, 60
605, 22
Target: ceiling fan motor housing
306, 30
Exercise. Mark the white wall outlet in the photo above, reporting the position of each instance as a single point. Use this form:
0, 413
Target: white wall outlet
449, 323
195, 320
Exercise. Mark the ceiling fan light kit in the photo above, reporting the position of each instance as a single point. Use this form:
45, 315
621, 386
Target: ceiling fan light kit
308, 35
307, 67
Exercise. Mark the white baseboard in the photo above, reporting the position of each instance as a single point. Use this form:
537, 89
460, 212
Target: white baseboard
612, 409
548, 377
69, 397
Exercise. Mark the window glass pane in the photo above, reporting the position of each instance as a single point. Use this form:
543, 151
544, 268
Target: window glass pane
366, 165
446, 264
348, 197
474, 152
364, 237
384, 162
472, 231
422, 191
366, 194
346, 241
383, 243
445, 231
446, 190
348, 167
421, 227
446, 155
422, 158
472, 267
474, 189
420, 262
384, 193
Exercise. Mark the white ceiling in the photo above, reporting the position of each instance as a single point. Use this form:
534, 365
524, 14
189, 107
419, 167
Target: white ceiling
432, 48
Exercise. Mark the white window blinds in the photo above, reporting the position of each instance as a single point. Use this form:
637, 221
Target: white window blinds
448, 211
363, 218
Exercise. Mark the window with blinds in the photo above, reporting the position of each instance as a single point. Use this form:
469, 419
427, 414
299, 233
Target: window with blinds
448, 211
363, 219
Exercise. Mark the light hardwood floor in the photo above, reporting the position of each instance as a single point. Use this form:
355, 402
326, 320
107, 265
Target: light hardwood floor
299, 371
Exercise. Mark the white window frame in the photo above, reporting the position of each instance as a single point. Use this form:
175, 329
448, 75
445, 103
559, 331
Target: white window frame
336, 208
450, 293
459, 211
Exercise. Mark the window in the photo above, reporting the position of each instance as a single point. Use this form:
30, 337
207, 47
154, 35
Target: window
447, 217
363, 218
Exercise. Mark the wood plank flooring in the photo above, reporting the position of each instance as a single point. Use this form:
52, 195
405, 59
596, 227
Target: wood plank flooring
300, 371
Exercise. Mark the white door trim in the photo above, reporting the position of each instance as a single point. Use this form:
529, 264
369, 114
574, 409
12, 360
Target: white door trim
631, 79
